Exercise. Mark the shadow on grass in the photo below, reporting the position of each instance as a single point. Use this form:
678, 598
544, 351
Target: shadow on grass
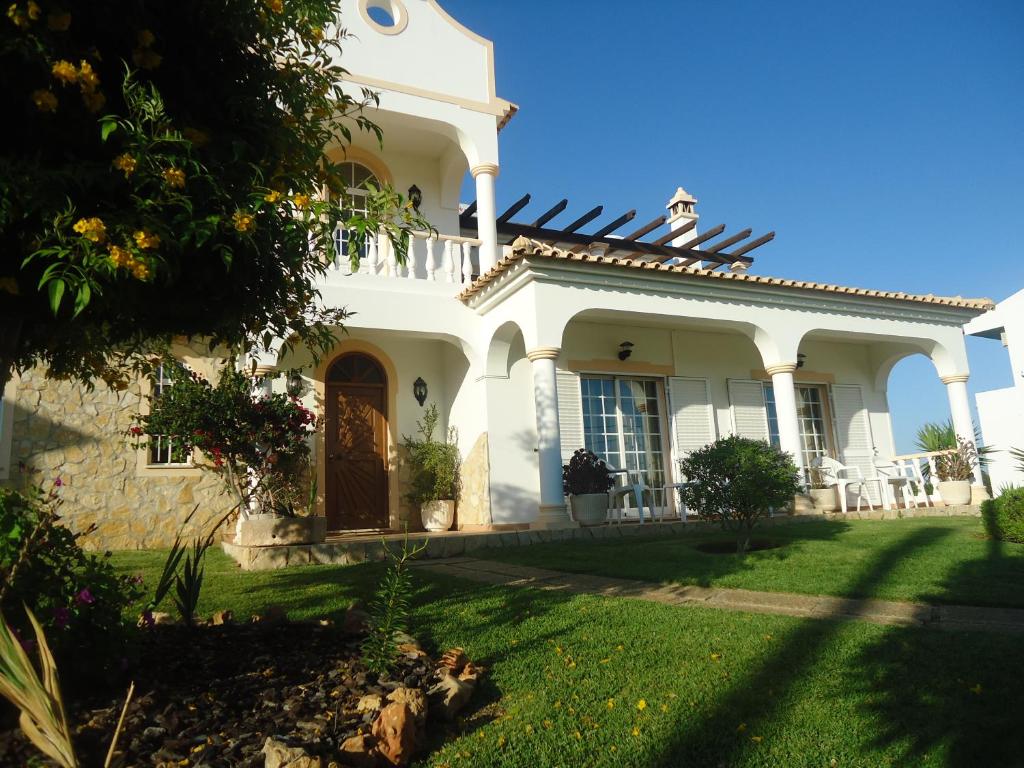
996, 579
713, 742
668, 558
963, 697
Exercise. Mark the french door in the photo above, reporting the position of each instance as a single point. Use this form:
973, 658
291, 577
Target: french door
624, 424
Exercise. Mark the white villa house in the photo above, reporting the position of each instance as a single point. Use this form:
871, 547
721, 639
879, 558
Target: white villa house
535, 331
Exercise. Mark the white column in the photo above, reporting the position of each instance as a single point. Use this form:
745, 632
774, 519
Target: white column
552, 513
960, 410
785, 411
487, 230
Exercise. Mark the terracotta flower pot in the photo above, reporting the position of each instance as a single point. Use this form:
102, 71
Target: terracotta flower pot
955, 493
437, 515
589, 508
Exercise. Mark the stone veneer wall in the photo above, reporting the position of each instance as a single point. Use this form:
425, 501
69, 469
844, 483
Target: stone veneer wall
474, 506
63, 429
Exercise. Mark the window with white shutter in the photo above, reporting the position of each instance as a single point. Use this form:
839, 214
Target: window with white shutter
570, 413
853, 432
749, 415
693, 416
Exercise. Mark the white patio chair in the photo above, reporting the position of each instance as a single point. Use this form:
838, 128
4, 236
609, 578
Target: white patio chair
844, 477
898, 477
633, 483
674, 488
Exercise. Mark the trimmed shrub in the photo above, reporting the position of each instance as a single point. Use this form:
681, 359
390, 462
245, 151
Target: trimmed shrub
585, 473
1004, 516
736, 481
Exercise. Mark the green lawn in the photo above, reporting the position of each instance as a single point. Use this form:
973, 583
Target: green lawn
567, 675
933, 560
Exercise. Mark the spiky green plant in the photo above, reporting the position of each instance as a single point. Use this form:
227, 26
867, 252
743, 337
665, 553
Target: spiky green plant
389, 612
935, 436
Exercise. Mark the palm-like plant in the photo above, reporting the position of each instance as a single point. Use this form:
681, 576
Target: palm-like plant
941, 436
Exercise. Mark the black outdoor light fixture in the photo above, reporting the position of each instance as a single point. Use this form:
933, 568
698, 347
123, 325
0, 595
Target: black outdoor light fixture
625, 350
415, 197
294, 383
800, 358
419, 390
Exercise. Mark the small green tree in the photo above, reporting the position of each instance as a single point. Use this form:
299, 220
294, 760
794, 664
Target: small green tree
737, 481
434, 465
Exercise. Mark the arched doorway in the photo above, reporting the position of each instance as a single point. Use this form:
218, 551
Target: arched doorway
356, 442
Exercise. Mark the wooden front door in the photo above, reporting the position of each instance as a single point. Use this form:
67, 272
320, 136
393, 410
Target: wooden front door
357, 438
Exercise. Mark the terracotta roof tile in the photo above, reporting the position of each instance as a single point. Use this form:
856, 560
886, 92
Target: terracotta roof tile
524, 247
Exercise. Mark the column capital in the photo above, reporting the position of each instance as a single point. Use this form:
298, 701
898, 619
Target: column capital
543, 353
491, 169
265, 370
955, 378
771, 370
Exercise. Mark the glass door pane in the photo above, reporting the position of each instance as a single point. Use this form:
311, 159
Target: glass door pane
811, 418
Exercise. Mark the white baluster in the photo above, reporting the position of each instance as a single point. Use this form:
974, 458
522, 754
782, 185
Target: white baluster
390, 260
372, 255
410, 258
467, 263
449, 262
338, 258
431, 260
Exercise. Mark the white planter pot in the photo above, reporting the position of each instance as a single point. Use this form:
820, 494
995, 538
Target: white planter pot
589, 508
272, 530
955, 493
437, 515
825, 499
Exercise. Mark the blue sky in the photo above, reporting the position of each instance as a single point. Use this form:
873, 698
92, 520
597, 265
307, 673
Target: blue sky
882, 141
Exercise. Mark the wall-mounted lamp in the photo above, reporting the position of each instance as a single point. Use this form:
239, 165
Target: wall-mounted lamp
415, 196
800, 358
625, 350
294, 383
419, 391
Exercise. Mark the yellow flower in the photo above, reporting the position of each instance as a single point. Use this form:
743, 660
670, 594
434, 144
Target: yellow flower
741, 728
58, 21
641, 705
65, 71
145, 240
272, 197
757, 739
145, 38
976, 690
664, 707
126, 163
243, 221
87, 75
716, 656
93, 100
92, 229
45, 101
140, 271
636, 730
277, 6
120, 257
34, 11
611, 703
17, 16
175, 178
300, 200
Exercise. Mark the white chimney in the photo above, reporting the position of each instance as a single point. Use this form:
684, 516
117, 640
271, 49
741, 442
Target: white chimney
680, 215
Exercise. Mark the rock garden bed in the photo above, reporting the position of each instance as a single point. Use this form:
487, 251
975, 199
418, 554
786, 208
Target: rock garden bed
268, 693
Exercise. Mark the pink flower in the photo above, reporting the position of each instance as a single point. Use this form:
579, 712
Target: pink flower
58, 482
84, 597
61, 617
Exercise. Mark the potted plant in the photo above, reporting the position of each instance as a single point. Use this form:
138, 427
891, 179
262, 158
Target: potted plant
434, 467
586, 481
823, 490
258, 444
955, 470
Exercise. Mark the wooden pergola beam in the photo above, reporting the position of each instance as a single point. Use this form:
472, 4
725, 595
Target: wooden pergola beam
553, 211
513, 209
609, 228
470, 210
650, 226
730, 241
586, 218
684, 251
748, 247
676, 232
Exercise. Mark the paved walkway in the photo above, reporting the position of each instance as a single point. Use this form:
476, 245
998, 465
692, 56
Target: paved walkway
782, 603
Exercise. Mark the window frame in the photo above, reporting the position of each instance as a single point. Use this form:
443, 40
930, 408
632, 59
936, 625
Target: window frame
144, 465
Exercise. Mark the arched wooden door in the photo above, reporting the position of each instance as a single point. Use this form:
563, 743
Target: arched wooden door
357, 439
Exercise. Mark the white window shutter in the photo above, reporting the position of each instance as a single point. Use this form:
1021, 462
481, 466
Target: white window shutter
749, 415
570, 413
853, 431
693, 416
